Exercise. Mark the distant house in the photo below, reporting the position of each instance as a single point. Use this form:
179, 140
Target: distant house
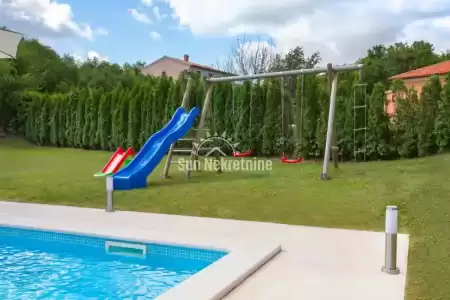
173, 67
416, 79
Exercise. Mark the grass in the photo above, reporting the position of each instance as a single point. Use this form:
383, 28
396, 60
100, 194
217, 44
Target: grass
292, 194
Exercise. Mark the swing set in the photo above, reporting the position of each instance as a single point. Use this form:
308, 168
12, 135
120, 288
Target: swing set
249, 152
283, 158
330, 144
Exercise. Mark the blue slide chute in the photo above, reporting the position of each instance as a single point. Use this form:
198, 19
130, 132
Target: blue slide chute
135, 174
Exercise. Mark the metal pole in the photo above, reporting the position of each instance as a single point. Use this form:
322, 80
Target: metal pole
282, 114
109, 194
286, 73
187, 92
300, 130
334, 148
326, 159
200, 128
184, 104
168, 162
390, 256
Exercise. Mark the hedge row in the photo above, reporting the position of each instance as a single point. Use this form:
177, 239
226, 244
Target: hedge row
250, 113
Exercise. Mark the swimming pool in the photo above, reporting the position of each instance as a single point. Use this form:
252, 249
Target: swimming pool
37, 264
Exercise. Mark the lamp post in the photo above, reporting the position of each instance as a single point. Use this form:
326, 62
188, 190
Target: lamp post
390, 256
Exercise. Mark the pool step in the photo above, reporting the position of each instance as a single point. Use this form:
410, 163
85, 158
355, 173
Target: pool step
126, 249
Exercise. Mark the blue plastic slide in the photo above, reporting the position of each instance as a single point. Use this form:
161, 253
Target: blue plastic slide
134, 175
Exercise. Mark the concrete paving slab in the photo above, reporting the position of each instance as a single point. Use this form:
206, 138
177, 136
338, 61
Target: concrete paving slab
315, 263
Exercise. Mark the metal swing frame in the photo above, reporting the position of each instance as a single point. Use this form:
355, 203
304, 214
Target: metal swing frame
332, 72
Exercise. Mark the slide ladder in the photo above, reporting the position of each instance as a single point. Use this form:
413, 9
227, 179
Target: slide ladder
118, 159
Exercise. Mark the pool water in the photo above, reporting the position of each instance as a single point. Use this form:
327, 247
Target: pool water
47, 265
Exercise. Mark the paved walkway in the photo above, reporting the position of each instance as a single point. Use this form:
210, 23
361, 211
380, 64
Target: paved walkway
315, 263
318, 264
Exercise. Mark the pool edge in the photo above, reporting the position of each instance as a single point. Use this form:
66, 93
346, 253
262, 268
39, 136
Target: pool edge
212, 283
230, 271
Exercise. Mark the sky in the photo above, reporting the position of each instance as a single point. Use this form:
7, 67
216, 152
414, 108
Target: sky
130, 30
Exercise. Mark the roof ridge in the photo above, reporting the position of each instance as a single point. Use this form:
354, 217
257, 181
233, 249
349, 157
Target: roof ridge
189, 63
194, 64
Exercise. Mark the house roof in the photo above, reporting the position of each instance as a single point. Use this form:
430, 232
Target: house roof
441, 68
190, 64
9, 30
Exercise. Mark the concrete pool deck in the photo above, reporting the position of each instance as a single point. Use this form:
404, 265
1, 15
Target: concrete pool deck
314, 263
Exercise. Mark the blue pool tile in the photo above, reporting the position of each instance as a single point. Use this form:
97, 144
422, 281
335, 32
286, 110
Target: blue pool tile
98, 242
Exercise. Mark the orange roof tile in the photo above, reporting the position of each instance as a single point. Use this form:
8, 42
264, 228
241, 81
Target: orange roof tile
441, 68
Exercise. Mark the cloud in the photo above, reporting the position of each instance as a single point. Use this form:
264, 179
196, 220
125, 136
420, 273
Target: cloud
341, 30
147, 2
178, 28
102, 31
140, 17
91, 55
44, 18
95, 55
157, 14
155, 36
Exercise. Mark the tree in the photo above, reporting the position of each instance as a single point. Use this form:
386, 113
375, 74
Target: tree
174, 98
43, 135
71, 118
307, 114
383, 61
160, 95
243, 125
442, 121
94, 142
378, 125
54, 102
33, 111
62, 137
429, 99
248, 57
12, 85
88, 107
229, 109
122, 118
346, 115
272, 120
407, 122
322, 122
134, 119
257, 110
104, 121
375, 67
219, 106
80, 119
59, 101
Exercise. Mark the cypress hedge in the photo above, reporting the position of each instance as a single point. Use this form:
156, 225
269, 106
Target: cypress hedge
250, 112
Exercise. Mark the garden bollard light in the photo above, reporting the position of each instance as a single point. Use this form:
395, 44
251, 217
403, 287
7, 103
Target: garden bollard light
109, 194
390, 256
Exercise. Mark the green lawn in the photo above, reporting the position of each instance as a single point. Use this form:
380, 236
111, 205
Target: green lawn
293, 194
